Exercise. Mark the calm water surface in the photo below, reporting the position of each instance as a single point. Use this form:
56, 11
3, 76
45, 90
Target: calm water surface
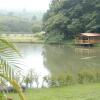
58, 59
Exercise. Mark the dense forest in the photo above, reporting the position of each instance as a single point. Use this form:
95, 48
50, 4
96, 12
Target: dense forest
67, 18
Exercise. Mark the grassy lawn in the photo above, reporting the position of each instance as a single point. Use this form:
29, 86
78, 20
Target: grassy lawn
75, 92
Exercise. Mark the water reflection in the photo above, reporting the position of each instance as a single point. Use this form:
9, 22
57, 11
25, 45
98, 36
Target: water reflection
65, 59
58, 59
33, 59
87, 52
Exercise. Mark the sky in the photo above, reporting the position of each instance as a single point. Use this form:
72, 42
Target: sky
24, 4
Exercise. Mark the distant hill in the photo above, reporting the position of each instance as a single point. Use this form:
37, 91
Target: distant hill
14, 24
19, 21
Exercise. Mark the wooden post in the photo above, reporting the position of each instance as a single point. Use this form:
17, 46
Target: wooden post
88, 39
76, 40
81, 40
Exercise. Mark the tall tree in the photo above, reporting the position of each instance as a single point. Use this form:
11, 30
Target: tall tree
71, 17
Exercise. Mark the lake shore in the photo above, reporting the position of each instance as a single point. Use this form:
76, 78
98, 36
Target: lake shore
37, 38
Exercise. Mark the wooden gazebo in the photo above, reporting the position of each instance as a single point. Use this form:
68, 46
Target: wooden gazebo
87, 38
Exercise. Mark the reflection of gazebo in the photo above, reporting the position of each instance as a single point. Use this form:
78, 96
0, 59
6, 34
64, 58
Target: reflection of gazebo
87, 38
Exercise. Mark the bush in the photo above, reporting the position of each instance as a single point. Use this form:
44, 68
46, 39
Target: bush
69, 79
86, 76
97, 74
83, 76
53, 38
36, 28
61, 80
53, 82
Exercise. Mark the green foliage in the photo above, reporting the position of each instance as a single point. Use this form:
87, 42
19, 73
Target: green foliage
85, 76
36, 28
97, 75
54, 38
53, 82
14, 24
8, 66
69, 79
82, 77
71, 17
21, 21
2, 96
61, 80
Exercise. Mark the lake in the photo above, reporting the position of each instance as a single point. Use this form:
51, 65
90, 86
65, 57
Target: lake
58, 59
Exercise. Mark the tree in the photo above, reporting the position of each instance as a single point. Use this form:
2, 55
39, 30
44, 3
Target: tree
14, 24
36, 28
71, 17
27, 81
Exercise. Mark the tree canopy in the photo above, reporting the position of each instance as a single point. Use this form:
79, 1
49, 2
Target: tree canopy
70, 17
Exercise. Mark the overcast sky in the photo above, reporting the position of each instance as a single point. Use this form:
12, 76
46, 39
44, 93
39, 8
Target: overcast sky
27, 4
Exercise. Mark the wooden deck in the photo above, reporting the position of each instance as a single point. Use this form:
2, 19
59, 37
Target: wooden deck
85, 44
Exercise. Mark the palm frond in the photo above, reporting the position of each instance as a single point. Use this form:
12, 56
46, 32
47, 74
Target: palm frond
6, 44
9, 63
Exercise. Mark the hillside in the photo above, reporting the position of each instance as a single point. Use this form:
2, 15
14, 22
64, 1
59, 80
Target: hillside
20, 21
14, 24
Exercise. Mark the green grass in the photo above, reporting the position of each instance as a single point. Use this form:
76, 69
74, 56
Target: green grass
75, 92
35, 38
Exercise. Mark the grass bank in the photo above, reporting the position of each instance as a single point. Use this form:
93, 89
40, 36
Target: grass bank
24, 38
75, 92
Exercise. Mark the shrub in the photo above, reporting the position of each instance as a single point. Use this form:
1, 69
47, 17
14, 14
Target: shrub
69, 79
86, 76
53, 82
61, 80
97, 74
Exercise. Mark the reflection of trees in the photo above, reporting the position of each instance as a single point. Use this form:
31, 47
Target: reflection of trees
58, 59
87, 52
62, 59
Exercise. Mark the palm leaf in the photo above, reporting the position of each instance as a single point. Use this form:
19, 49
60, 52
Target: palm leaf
9, 63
